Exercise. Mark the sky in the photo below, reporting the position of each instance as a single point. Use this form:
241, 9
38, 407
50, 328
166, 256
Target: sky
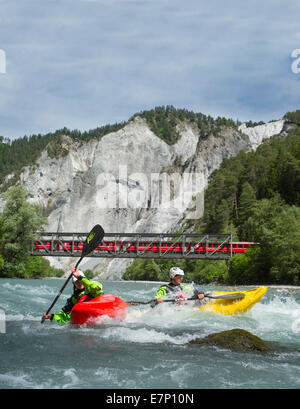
81, 64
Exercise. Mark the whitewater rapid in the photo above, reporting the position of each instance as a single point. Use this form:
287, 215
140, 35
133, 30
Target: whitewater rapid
150, 348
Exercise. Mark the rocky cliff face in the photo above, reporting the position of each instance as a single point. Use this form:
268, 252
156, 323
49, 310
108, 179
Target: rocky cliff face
259, 133
132, 181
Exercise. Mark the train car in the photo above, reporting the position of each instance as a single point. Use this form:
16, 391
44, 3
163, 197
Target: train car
242, 247
106, 246
42, 245
164, 247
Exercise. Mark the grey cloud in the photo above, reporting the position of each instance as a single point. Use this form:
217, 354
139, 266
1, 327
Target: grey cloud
82, 64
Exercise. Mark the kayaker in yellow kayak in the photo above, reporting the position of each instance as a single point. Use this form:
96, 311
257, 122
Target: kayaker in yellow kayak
175, 287
84, 290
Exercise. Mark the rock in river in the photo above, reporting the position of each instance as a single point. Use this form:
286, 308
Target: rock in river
235, 339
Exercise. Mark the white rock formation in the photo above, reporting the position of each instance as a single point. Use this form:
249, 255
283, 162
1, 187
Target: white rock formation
259, 133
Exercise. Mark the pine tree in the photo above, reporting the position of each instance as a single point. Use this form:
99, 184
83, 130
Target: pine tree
245, 206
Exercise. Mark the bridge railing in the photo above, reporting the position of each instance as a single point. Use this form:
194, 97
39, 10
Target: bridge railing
140, 245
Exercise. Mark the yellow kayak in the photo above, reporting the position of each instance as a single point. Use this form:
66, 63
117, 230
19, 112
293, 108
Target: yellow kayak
235, 306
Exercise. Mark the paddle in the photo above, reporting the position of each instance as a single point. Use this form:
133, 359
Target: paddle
91, 242
235, 296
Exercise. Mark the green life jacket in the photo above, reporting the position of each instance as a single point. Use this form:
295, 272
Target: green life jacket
170, 288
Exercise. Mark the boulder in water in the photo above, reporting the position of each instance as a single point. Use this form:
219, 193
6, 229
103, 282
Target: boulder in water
235, 339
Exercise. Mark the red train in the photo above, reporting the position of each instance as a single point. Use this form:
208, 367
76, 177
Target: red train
120, 246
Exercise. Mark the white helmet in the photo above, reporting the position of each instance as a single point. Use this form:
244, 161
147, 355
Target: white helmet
174, 271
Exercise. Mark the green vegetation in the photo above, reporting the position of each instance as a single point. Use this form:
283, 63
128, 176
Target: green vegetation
90, 274
198, 271
251, 124
256, 197
293, 116
18, 223
261, 195
164, 120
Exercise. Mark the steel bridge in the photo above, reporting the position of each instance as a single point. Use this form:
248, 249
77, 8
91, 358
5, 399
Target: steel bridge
141, 245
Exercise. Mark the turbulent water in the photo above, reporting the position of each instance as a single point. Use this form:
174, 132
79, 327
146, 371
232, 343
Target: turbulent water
150, 349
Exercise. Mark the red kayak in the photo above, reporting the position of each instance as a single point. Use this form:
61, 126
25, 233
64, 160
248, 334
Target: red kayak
105, 305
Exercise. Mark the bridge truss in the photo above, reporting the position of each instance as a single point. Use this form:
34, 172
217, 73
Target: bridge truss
141, 245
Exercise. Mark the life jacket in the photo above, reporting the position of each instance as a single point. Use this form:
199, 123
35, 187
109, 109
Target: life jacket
179, 288
178, 291
81, 296
77, 296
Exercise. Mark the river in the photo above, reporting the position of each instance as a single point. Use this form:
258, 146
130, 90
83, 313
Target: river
148, 350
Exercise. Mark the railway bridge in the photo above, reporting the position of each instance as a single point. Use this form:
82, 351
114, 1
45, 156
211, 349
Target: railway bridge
141, 245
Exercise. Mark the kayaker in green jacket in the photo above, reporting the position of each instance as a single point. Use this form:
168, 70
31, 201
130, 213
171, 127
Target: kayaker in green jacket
84, 290
176, 288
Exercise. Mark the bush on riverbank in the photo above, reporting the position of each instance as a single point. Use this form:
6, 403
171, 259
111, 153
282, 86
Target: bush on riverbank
19, 222
198, 271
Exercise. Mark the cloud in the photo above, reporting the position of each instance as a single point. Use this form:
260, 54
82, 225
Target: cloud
85, 63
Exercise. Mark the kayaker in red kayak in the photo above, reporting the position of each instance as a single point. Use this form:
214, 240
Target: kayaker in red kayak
176, 288
84, 290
